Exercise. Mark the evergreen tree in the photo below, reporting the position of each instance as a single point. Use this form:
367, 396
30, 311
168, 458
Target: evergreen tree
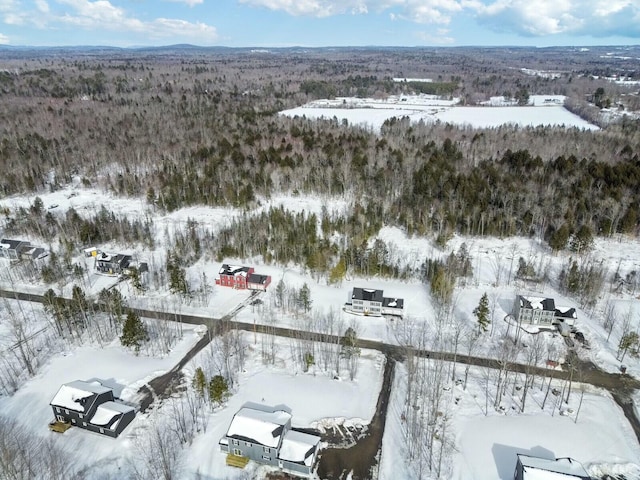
308, 361
338, 272
218, 389
304, 298
200, 382
280, 290
481, 312
349, 343
582, 241
629, 340
134, 332
559, 238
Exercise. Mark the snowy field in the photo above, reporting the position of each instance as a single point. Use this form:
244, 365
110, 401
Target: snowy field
315, 398
595, 433
543, 110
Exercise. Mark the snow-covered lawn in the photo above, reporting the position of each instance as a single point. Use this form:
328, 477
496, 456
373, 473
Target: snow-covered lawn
485, 446
370, 113
112, 365
315, 398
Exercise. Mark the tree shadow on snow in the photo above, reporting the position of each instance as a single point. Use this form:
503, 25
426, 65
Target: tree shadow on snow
505, 457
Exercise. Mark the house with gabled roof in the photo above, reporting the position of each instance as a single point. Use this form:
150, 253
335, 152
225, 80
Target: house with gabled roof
92, 406
536, 468
264, 434
543, 312
372, 302
241, 277
112, 264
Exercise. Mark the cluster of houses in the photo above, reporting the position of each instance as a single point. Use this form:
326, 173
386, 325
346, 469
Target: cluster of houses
92, 406
543, 313
372, 302
15, 250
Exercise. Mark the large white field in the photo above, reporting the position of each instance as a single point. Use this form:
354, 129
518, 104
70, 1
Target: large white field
545, 111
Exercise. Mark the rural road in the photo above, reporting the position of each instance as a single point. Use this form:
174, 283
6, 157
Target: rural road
619, 385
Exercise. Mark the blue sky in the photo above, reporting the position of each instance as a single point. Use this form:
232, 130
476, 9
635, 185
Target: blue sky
265, 23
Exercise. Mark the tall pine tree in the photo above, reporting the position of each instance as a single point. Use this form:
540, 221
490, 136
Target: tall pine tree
481, 312
134, 332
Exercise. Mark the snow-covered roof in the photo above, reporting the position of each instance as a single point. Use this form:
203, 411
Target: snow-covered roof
369, 294
393, 302
535, 468
227, 269
568, 312
537, 303
107, 412
298, 447
263, 425
75, 395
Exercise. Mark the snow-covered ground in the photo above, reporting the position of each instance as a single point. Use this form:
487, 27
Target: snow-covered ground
373, 113
315, 398
494, 263
485, 446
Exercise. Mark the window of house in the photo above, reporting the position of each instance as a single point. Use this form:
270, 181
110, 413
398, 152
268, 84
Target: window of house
266, 457
237, 452
81, 415
66, 411
248, 444
102, 430
84, 424
57, 409
236, 442
73, 420
266, 449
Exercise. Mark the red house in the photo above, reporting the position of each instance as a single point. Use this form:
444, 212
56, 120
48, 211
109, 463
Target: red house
242, 278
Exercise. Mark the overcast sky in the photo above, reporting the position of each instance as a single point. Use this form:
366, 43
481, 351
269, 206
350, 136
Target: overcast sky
265, 23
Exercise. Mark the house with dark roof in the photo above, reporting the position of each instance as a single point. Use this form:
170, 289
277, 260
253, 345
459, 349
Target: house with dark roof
536, 468
264, 434
241, 277
372, 302
92, 406
112, 264
20, 250
543, 312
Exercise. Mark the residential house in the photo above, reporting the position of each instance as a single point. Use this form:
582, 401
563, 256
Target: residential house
543, 312
264, 434
372, 302
20, 250
534, 311
242, 278
535, 468
112, 264
92, 406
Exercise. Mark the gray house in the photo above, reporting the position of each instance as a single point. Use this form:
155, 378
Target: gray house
11, 248
111, 264
263, 434
372, 302
91, 406
543, 312
534, 468
534, 311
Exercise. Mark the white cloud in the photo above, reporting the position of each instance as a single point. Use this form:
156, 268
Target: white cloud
191, 3
103, 16
524, 17
420, 11
440, 37
4, 40
42, 5
549, 17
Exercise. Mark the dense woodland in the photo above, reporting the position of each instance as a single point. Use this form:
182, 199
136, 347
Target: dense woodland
181, 128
